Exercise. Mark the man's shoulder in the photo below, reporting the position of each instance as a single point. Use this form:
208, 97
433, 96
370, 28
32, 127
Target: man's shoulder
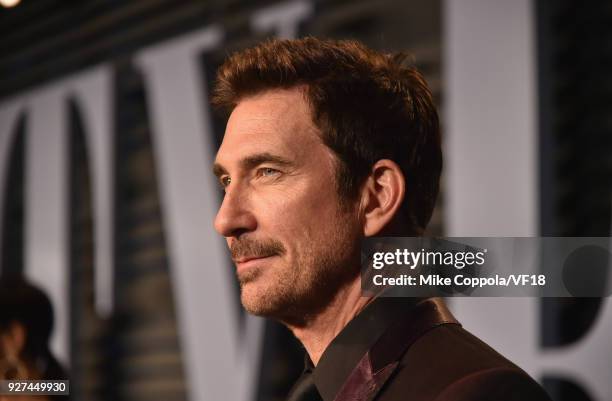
449, 363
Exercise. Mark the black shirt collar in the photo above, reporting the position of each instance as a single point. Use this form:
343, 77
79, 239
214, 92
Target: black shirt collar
349, 346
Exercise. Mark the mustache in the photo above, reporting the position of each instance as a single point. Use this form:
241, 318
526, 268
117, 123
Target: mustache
252, 248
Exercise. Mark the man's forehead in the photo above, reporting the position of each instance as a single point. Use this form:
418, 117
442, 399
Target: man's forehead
278, 109
275, 120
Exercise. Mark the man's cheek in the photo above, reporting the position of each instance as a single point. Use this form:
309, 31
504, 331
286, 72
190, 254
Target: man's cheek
275, 199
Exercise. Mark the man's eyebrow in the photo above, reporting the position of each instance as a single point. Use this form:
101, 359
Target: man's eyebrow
253, 161
218, 170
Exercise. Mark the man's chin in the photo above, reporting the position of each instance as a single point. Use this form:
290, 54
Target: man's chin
261, 301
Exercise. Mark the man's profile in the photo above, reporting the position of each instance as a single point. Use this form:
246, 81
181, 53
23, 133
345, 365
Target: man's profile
329, 142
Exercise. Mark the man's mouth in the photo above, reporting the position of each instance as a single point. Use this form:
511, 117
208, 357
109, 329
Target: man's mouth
250, 261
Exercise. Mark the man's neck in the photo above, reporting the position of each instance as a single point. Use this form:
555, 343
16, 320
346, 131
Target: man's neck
320, 330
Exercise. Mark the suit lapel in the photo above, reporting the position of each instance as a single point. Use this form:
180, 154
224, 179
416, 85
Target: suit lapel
378, 364
363, 384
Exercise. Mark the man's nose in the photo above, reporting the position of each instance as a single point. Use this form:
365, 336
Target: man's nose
234, 216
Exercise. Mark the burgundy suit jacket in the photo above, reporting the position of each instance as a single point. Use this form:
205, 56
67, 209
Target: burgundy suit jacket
413, 350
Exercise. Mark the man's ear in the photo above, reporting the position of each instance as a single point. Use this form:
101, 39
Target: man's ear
382, 196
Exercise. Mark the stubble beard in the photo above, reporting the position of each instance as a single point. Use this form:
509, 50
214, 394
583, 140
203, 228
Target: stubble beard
294, 293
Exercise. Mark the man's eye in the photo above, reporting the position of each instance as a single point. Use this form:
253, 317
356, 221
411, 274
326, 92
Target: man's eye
267, 172
225, 181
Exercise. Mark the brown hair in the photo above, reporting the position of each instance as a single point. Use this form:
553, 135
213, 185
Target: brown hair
368, 106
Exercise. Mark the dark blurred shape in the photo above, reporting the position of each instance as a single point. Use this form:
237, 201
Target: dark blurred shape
560, 389
23, 304
585, 272
575, 90
282, 364
14, 201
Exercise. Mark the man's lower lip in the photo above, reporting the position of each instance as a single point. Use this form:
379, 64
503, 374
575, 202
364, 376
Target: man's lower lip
250, 263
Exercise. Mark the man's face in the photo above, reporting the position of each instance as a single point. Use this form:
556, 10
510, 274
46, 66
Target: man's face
293, 243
